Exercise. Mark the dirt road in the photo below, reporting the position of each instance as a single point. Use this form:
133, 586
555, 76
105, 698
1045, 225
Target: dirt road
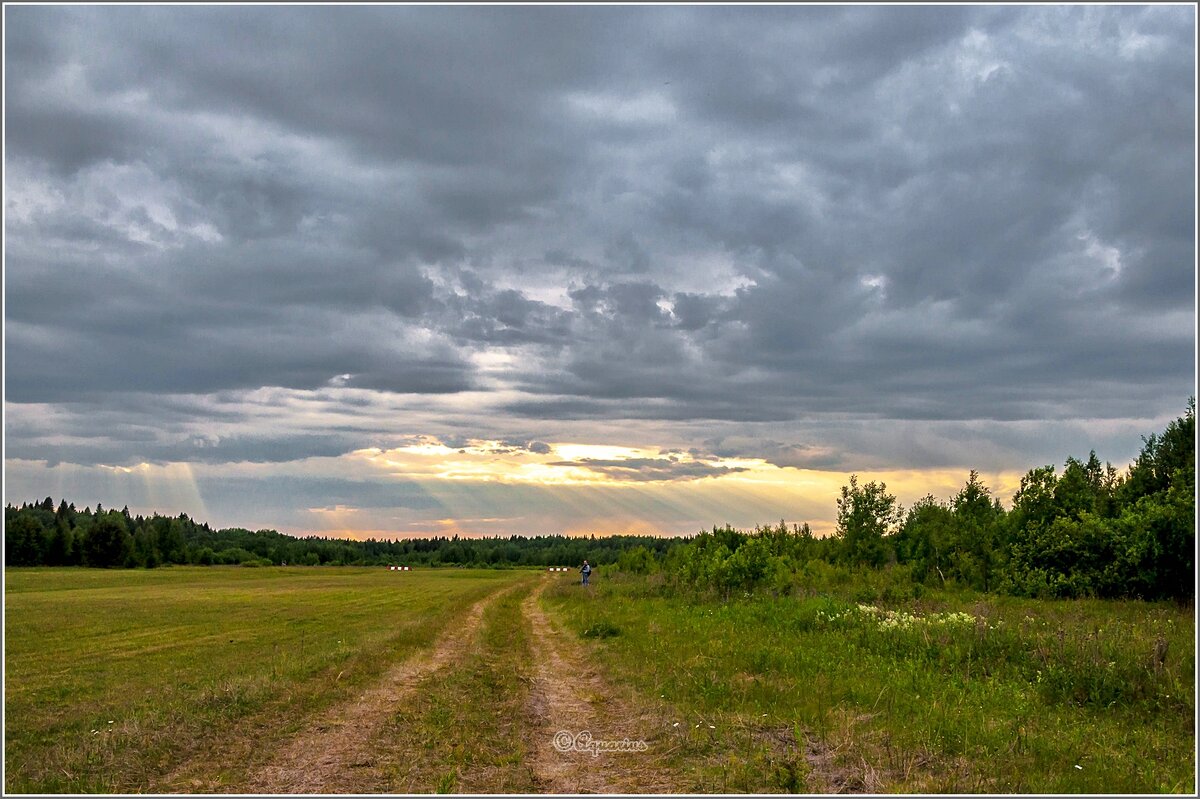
570, 712
334, 755
575, 714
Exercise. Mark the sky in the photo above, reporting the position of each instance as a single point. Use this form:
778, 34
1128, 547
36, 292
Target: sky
396, 271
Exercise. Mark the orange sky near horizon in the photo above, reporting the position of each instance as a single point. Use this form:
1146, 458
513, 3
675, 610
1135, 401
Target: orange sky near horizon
486, 488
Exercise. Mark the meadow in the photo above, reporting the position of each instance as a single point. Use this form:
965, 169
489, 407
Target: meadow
949, 692
114, 678
221, 679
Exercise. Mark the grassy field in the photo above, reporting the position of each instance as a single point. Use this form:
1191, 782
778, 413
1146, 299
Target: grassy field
203, 679
467, 727
113, 678
948, 693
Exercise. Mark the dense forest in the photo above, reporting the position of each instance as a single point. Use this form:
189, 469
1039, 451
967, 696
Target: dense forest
1089, 530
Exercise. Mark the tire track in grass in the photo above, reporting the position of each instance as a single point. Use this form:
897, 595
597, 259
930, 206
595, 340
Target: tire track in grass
334, 754
331, 753
464, 729
569, 696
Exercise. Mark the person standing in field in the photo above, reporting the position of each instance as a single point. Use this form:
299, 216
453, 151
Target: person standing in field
586, 571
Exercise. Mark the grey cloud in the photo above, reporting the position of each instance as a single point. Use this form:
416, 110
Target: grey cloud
799, 456
627, 254
559, 257
651, 469
487, 315
125, 446
742, 215
694, 311
640, 407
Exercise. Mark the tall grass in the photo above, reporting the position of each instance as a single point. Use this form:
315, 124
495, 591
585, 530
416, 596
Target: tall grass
943, 692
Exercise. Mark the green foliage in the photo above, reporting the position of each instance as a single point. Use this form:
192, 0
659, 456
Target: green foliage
107, 542
638, 560
978, 519
865, 516
1084, 533
726, 560
36, 534
1166, 460
1034, 502
927, 540
1089, 533
60, 547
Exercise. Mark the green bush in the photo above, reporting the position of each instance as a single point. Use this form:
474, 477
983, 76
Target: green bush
638, 560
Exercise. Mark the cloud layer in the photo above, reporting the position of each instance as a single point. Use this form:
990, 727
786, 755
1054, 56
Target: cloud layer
824, 237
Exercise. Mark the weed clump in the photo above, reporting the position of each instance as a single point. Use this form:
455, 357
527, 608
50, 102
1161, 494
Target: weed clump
601, 629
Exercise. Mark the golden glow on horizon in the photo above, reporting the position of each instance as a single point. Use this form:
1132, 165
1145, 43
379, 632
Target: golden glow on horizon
658, 493
568, 465
493, 488
564, 464
574, 452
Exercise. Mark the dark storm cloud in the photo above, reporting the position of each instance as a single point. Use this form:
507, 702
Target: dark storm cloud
730, 214
124, 445
484, 314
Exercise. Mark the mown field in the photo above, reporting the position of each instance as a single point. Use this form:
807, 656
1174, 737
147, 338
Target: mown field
946, 693
112, 678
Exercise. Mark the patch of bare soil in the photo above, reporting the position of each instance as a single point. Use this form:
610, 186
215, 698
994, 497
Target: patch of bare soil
854, 759
572, 705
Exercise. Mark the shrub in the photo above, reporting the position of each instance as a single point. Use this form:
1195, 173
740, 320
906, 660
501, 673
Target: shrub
638, 560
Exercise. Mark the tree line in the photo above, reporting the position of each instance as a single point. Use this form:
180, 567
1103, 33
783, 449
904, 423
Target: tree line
1089, 530
41, 533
